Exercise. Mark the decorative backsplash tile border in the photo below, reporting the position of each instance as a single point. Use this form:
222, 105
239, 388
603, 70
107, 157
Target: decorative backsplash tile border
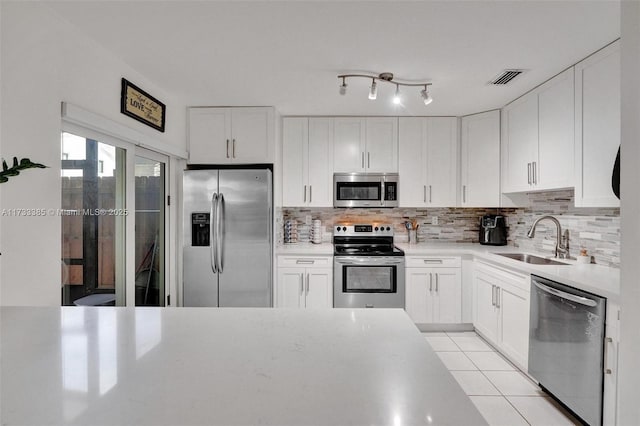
595, 229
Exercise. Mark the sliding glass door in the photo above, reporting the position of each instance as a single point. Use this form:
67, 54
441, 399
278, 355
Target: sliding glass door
150, 214
114, 222
92, 215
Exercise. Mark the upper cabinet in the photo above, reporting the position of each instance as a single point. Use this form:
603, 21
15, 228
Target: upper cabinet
231, 135
365, 145
428, 161
537, 131
307, 154
480, 160
597, 127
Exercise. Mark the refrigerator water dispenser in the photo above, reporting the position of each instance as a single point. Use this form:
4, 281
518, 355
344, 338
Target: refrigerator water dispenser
200, 229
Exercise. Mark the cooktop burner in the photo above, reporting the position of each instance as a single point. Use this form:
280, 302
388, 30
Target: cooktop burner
367, 250
374, 239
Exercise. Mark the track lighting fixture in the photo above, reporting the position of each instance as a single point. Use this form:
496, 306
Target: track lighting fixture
388, 77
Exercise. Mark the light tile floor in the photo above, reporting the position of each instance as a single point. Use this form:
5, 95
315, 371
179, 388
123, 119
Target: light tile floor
502, 394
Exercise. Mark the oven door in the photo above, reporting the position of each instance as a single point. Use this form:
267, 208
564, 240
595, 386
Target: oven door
369, 282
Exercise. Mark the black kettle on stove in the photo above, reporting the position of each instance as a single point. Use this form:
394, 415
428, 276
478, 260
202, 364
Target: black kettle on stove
493, 230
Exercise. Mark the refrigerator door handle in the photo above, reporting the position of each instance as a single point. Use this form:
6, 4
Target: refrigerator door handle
212, 233
220, 229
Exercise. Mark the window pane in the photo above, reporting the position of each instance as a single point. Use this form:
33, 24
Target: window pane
92, 222
149, 239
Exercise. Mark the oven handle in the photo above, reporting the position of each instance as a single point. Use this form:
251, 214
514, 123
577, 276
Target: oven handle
578, 299
370, 260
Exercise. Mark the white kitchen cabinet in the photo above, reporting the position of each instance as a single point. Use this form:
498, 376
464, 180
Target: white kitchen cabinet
537, 131
434, 294
304, 282
553, 167
480, 160
428, 161
597, 127
365, 145
501, 310
231, 135
307, 162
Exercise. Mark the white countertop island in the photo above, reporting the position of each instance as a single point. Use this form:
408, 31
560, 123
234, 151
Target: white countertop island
187, 366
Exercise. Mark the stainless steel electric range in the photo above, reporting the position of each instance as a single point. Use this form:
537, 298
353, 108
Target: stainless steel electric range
368, 270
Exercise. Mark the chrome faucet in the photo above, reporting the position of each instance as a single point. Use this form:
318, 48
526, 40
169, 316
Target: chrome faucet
562, 240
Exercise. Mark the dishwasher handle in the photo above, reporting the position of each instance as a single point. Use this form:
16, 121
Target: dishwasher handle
578, 299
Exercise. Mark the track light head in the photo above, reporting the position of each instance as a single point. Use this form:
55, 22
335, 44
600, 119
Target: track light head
396, 97
343, 87
426, 98
373, 92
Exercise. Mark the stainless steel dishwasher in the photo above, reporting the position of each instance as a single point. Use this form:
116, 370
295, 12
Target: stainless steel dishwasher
566, 346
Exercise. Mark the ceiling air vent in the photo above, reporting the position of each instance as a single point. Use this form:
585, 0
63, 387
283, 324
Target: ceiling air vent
506, 76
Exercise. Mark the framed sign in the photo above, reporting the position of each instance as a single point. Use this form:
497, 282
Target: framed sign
141, 106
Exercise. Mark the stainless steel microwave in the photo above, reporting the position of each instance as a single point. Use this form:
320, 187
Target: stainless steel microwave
365, 190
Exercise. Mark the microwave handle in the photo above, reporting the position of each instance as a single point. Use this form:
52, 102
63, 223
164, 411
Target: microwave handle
382, 192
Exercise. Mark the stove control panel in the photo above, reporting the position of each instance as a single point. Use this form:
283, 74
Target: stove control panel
364, 230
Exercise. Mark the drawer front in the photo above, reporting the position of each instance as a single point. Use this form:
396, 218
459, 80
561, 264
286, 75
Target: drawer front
306, 261
433, 262
502, 276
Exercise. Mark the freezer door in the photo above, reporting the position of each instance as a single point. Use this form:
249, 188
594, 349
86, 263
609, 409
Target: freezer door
245, 255
200, 282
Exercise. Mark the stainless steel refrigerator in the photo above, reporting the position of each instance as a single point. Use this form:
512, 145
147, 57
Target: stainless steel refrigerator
227, 215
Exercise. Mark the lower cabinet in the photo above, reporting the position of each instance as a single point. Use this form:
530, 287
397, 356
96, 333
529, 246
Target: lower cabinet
501, 310
304, 282
434, 293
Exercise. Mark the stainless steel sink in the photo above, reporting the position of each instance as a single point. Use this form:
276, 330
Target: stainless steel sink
531, 258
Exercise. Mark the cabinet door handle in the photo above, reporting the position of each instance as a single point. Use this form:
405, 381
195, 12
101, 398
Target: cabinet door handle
464, 193
437, 281
310, 193
227, 148
534, 173
308, 284
368, 160
430, 281
493, 295
607, 341
424, 193
301, 284
363, 159
305, 194
497, 297
429, 193
233, 148
528, 173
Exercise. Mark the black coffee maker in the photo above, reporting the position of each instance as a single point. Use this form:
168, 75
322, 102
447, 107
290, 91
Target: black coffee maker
493, 230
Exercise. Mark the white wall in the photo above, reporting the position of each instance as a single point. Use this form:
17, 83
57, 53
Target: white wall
45, 61
630, 213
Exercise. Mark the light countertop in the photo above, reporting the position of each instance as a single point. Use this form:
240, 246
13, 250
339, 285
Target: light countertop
598, 279
165, 366
305, 249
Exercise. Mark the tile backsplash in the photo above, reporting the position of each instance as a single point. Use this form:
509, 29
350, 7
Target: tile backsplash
595, 229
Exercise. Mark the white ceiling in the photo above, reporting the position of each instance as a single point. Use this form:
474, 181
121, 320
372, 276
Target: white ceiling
288, 54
